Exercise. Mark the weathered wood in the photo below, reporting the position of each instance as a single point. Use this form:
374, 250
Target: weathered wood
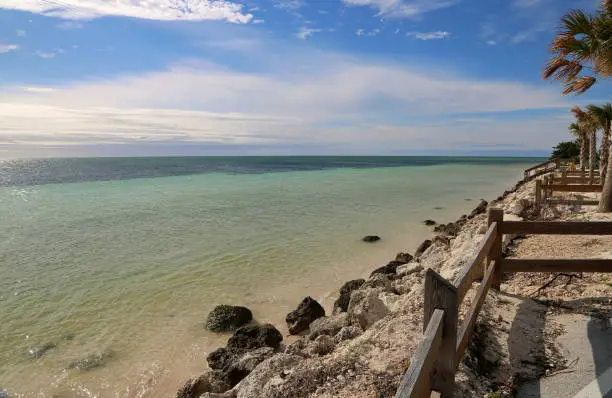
559, 201
416, 382
537, 166
558, 227
556, 265
573, 187
538, 193
441, 294
495, 254
474, 269
465, 332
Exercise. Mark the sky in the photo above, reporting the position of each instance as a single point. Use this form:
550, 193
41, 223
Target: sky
281, 77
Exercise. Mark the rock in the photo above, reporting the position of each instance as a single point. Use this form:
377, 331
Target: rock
38, 352
306, 312
429, 222
92, 362
366, 307
227, 318
270, 370
387, 269
347, 333
245, 365
445, 240
323, 345
227, 394
222, 358
341, 304
255, 336
481, 208
4, 394
423, 246
206, 383
371, 238
404, 257
328, 325
295, 348
379, 281
408, 269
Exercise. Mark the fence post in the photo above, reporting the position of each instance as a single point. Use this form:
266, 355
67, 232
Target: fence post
441, 294
497, 216
538, 193
563, 176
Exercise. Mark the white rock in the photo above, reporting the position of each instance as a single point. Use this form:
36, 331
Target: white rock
366, 307
407, 269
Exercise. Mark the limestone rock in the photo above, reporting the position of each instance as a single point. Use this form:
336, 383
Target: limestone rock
329, 325
300, 319
378, 281
341, 304
387, 269
227, 318
347, 333
366, 307
322, 345
408, 269
255, 336
404, 257
422, 247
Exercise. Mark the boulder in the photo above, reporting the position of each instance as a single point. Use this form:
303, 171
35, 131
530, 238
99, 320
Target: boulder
408, 269
481, 208
223, 357
422, 247
38, 352
429, 222
307, 311
404, 257
255, 336
366, 307
206, 383
227, 318
322, 345
341, 304
245, 365
347, 333
379, 281
91, 362
371, 238
328, 325
387, 269
270, 370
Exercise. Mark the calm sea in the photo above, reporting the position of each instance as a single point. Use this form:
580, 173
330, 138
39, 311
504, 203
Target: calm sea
125, 257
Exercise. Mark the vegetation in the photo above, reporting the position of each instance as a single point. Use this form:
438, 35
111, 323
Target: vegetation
569, 150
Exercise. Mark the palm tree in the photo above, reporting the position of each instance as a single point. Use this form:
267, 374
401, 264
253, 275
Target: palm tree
579, 133
588, 124
603, 117
583, 43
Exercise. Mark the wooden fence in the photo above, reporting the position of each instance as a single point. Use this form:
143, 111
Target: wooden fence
551, 183
432, 369
542, 168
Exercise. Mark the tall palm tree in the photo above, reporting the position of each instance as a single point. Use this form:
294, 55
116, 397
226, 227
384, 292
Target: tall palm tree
588, 124
583, 44
579, 133
603, 117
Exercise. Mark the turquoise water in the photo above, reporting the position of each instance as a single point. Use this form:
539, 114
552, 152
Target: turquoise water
132, 266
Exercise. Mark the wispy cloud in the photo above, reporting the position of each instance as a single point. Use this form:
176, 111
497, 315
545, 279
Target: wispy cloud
69, 25
50, 54
20, 33
305, 32
184, 10
437, 35
371, 33
7, 48
38, 89
289, 4
403, 8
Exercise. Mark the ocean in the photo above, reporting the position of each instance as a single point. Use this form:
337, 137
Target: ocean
120, 259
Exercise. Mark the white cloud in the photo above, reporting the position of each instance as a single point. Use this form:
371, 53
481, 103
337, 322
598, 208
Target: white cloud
46, 54
7, 48
70, 25
529, 34
360, 32
39, 89
20, 33
305, 32
403, 8
289, 4
258, 21
373, 32
437, 35
184, 10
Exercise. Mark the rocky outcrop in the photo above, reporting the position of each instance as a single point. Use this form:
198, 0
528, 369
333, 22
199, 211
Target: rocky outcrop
481, 208
322, 345
422, 247
408, 269
404, 257
307, 311
371, 238
227, 318
255, 336
388, 269
328, 325
366, 307
206, 383
379, 281
341, 304
429, 222
347, 333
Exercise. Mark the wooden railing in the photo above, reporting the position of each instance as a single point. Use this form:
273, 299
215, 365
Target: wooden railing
551, 183
432, 369
542, 168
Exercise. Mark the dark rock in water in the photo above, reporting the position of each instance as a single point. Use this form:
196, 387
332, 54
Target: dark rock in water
438, 208
227, 318
206, 383
424, 246
91, 362
481, 208
222, 358
38, 352
371, 238
300, 319
388, 269
429, 222
245, 365
255, 336
404, 257
341, 304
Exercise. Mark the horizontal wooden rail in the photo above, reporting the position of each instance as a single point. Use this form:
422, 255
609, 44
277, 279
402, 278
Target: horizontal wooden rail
556, 265
537, 166
466, 276
465, 332
417, 379
573, 187
557, 227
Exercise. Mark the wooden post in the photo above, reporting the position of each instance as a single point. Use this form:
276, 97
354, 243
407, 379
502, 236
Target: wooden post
538, 193
441, 294
497, 216
563, 176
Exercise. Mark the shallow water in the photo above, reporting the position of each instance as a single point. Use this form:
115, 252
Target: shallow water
130, 264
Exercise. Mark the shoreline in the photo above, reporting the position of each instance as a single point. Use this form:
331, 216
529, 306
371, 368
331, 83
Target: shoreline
384, 305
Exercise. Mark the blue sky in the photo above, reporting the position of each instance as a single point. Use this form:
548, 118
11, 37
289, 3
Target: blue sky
202, 77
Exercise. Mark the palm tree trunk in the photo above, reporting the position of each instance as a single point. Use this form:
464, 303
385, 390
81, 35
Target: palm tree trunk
605, 203
583, 152
605, 149
592, 155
